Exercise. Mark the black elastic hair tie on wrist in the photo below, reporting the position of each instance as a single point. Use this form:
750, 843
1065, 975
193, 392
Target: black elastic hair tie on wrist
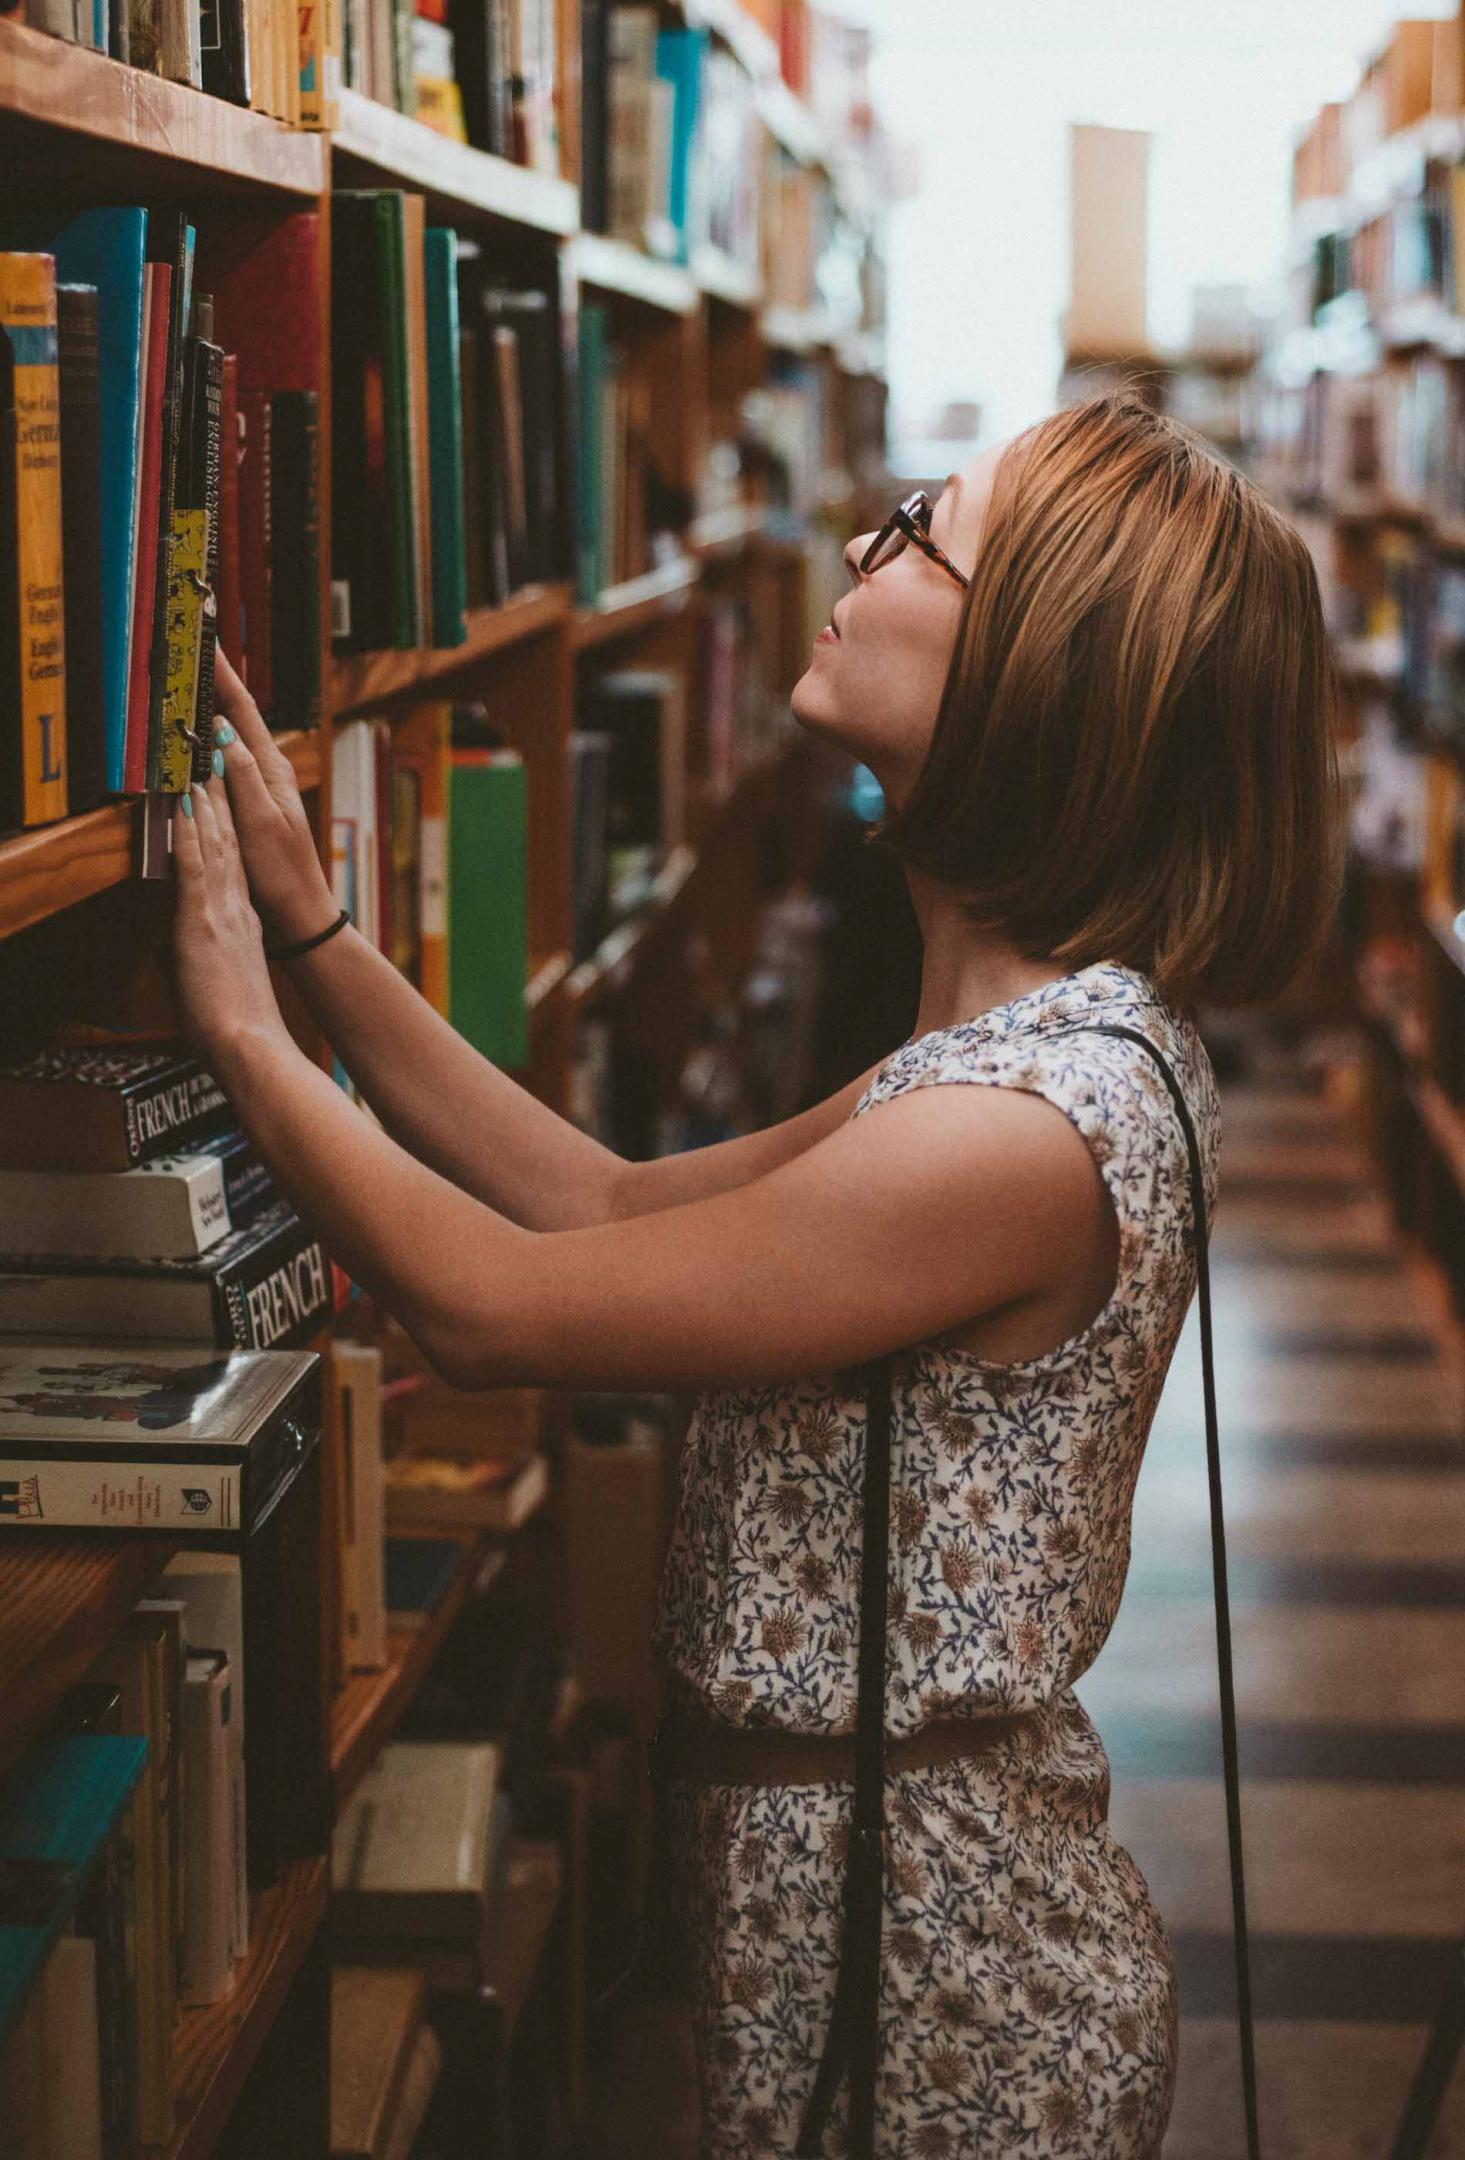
307, 944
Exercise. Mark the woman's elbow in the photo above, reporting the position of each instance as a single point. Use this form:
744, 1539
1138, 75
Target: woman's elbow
461, 1350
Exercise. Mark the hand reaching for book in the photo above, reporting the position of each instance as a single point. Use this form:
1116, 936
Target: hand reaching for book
221, 974
286, 879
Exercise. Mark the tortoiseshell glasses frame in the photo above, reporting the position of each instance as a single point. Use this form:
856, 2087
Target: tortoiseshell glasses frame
908, 521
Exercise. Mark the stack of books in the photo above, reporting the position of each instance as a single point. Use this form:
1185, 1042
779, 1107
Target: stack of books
135, 1210
131, 1833
174, 398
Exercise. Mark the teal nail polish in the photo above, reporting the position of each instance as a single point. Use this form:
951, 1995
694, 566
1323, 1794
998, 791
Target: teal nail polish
187, 804
219, 764
223, 733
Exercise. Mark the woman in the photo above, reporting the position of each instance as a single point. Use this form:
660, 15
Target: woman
1092, 681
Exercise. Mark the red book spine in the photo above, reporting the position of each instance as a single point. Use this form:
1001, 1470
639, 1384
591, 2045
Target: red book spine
230, 603
382, 746
145, 571
256, 548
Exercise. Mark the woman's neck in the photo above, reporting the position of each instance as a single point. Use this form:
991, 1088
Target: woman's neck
965, 971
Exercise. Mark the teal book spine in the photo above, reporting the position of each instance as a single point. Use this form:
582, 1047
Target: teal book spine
391, 290
445, 437
590, 408
488, 942
58, 1807
107, 248
679, 61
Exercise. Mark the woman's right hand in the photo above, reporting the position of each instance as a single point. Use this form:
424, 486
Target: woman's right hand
287, 883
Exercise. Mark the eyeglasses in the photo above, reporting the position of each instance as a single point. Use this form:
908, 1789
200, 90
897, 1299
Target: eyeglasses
909, 521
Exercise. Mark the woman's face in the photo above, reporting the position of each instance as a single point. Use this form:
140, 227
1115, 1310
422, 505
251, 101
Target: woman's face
878, 668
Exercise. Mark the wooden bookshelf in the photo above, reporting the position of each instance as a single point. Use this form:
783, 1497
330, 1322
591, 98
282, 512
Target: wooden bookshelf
614, 266
61, 1601
53, 866
374, 146
75, 123
215, 2048
166, 132
364, 682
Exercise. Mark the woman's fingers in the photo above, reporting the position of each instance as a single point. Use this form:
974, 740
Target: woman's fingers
240, 710
187, 851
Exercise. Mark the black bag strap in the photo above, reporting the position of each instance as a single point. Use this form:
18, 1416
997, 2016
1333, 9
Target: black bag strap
853, 2035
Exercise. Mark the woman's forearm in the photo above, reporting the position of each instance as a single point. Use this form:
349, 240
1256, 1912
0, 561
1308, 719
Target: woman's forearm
445, 1103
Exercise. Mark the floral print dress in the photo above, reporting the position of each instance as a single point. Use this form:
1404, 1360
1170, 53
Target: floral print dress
1027, 1996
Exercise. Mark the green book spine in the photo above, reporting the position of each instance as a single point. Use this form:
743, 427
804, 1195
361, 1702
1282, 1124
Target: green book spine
590, 398
445, 437
488, 932
391, 286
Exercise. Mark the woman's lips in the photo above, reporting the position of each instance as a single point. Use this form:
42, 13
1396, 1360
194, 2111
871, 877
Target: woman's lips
827, 636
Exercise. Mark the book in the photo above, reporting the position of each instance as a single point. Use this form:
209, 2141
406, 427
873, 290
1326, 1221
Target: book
174, 1208
411, 1854
445, 437
169, 1612
590, 757
424, 2067
104, 1109
32, 607
210, 1588
421, 746
171, 240
680, 54
205, 435
153, 368
464, 1490
356, 1378
160, 1439
590, 567
295, 631
229, 599
79, 356
59, 1805
356, 857
419, 1573
488, 902
256, 549
643, 710
376, 2015
207, 1970
361, 558
61, 2036
389, 220
594, 91
106, 248
266, 1287
224, 50
414, 314
136, 1664
182, 51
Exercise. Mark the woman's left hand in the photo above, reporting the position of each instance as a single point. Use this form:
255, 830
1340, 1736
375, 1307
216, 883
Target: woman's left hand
223, 979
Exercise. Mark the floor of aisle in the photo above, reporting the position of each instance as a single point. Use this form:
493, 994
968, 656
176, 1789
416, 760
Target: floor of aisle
1343, 1443
1342, 1408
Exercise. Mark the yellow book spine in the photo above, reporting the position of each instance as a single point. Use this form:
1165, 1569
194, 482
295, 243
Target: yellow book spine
38, 630
320, 63
187, 563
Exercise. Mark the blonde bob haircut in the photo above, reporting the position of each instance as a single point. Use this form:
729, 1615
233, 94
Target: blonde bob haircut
1134, 757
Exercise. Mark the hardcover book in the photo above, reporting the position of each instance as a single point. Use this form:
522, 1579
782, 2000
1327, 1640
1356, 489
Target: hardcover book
464, 1491
155, 1439
412, 1850
488, 903
206, 1972
104, 1109
295, 515
32, 612
267, 1287
78, 333
174, 1208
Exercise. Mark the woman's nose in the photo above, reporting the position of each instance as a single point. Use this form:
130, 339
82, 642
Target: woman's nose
854, 555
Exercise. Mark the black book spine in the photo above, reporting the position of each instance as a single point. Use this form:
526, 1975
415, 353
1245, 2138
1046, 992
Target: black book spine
162, 1113
594, 114
285, 1771
248, 1187
81, 542
276, 1294
357, 623
294, 450
207, 411
471, 22
224, 46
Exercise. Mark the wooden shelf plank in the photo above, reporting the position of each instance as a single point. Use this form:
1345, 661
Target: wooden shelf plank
721, 278
546, 974
360, 681
62, 1598
623, 608
73, 91
726, 532
796, 330
53, 866
614, 266
388, 144
616, 956
214, 2049
369, 1708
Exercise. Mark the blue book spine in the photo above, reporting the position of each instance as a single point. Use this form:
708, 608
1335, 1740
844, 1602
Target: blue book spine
106, 248
445, 437
679, 61
58, 1807
590, 382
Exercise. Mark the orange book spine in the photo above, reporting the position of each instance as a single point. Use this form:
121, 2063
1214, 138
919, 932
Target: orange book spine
31, 586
